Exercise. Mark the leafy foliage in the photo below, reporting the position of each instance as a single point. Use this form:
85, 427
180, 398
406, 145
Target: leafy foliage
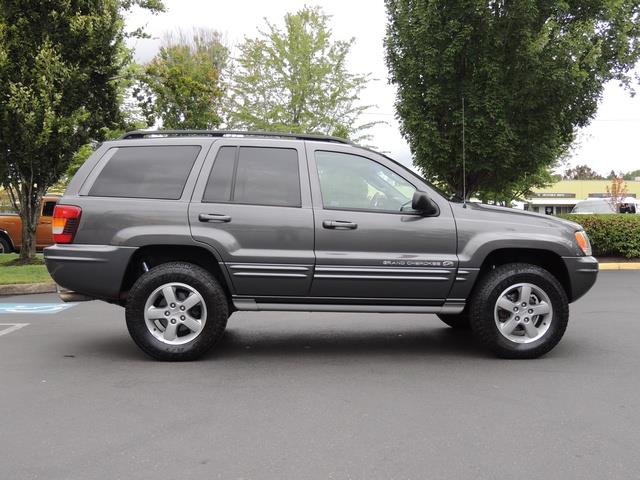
615, 235
581, 172
59, 68
519, 190
631, 175
617, 193
530, 73
296, 80
181, 87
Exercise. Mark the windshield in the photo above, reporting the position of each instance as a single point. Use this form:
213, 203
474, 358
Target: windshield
593, 206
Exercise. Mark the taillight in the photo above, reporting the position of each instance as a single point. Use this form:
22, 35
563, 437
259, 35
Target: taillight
66, 219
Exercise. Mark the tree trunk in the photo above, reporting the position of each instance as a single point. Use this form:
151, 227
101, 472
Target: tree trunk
30, 215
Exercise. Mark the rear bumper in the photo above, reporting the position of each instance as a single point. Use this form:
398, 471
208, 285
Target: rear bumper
583, 272
92, 270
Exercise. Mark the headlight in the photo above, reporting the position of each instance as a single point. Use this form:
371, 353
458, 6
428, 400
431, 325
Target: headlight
583, 242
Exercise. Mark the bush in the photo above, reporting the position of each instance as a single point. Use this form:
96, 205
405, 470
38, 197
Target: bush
611, 235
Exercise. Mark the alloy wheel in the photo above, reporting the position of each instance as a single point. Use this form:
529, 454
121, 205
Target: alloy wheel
175, 313
523, 313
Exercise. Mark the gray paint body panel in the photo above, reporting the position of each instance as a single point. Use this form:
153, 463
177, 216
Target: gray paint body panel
267, 250
94, 270
363, 262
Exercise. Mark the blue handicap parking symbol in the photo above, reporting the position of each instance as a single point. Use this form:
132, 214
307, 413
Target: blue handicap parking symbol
34, 307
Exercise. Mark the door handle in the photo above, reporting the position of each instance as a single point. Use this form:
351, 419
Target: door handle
339, 224
214, 217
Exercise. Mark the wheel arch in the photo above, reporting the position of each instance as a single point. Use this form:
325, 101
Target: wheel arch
550, 261
151, 256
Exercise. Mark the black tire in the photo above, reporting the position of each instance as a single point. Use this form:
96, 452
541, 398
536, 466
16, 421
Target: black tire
217, 311
458, 321
5, 246
487, 293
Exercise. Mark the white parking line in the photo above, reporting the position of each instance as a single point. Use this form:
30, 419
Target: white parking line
12, 327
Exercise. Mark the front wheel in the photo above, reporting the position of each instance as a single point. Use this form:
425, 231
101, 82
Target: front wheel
176, 311
519, 311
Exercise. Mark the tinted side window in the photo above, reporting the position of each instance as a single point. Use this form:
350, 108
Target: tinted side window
267, 176
47, 209
263, 176
146, 172
221, 176
357, 183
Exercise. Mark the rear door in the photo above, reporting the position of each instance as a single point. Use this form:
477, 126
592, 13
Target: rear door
368, 247
253, 206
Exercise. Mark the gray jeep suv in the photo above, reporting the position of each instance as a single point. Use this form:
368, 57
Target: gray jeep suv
182, 228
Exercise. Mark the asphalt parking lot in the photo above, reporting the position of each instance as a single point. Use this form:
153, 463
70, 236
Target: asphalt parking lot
306, 396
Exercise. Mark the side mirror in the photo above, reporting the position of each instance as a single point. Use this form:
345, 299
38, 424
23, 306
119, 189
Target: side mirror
423, 204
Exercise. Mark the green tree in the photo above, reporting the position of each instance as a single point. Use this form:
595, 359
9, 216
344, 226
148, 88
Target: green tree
632, 175
530, 72
582, 172
182, 86
60, 64
519, 190
617, 193
296, 80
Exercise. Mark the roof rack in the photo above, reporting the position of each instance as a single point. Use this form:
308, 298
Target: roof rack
137, 134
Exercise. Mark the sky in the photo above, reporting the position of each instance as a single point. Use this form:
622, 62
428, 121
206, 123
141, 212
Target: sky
611, 141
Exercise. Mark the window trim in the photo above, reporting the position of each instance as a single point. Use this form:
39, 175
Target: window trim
361, 210
231, 201
373, 210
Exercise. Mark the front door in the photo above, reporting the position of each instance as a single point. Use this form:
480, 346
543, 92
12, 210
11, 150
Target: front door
370, 246
253, 206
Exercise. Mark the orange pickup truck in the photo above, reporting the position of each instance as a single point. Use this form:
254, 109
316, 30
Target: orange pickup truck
11, 228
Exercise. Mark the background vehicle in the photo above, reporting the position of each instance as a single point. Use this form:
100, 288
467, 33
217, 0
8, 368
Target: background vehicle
186, 227
11, 227
604, 205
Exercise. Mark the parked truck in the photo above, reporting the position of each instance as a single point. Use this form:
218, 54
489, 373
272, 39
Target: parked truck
11, 227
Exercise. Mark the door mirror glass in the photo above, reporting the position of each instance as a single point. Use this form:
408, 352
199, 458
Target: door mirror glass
423, 204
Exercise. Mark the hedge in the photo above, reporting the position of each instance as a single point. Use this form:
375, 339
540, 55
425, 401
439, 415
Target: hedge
615, 235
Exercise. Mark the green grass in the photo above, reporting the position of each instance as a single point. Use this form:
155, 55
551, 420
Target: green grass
12, 274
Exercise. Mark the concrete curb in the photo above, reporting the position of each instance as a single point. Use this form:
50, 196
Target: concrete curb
27, 288
620, 266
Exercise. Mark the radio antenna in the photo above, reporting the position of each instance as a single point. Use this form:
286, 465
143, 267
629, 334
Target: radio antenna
464, 163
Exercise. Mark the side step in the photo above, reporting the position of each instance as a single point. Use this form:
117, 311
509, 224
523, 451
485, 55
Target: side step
449, 307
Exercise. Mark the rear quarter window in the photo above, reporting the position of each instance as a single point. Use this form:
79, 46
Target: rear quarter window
158, 172
47, 209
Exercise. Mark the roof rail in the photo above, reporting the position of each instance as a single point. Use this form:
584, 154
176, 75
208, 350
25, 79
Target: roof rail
229, 133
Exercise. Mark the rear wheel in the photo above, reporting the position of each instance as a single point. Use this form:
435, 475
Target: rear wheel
5, 247
176, 311
458, 321
519, 311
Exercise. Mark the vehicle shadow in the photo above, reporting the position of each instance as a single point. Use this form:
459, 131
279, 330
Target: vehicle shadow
430, 342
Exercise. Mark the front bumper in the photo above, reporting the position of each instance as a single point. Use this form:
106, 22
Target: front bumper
92, 270
583, 272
